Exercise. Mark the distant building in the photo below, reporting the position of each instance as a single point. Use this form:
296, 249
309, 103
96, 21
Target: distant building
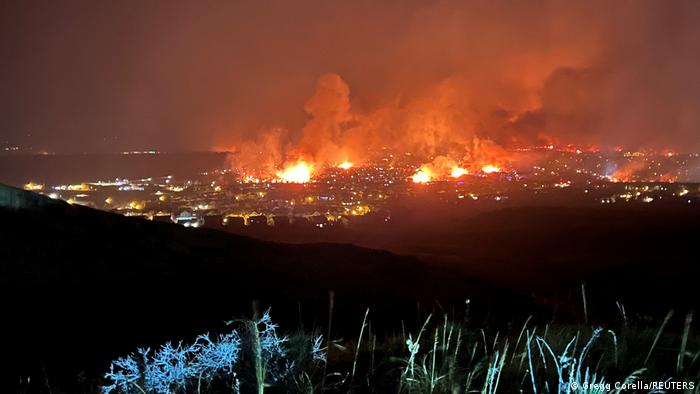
257, 221
234, 222
162, 218
188, 219
318, 220
281, 221
214, 221
301, 222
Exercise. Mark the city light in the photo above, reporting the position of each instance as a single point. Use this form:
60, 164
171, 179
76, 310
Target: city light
31, 186
373, 188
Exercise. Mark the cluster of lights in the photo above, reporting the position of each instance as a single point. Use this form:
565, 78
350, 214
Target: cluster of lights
31, 186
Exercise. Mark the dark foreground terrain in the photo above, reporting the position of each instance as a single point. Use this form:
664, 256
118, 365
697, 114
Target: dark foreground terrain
81, 287
641, 254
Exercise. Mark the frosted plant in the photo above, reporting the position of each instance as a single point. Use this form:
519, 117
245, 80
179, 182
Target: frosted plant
493, 373
271, 345
567, 364
413, 348
562, 364
317, 353
177, 368
169, 368
269, 350
270, 363
124, 374
172, 368
215, 358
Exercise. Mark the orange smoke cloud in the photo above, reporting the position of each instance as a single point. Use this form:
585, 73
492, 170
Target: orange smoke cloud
329, 109
433, 127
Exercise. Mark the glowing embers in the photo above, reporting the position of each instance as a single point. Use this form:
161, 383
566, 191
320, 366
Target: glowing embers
490, 169
428, 173
296, 173
423, 175
458, 172
346, 165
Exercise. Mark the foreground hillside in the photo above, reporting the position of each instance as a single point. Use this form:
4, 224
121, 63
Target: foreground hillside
642, 254
79, 285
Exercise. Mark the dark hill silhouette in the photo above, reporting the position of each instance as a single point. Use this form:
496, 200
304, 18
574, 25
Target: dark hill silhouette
81, 286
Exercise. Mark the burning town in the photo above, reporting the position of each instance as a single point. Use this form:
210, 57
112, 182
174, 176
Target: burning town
416, 197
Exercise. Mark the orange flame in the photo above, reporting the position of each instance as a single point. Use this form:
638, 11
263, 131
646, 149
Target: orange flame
346, 165
297, 173
458, 172
423, 175
490, 169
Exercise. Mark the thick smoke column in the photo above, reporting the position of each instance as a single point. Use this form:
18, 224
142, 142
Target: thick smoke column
464, 83
329, 110
432, 128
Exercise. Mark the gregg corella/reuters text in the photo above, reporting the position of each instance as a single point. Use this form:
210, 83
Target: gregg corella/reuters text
639, 385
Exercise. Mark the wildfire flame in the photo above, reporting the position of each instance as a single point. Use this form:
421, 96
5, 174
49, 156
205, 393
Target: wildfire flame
297, 173
422, 176
346, 165
490, 169
458, 172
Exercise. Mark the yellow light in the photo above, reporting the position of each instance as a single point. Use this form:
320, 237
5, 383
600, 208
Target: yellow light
81, 187
422, 176
162, 198
490, 169
250, 179
297, 173
109, 200
457, 172
137, 205
346, 165
33, 186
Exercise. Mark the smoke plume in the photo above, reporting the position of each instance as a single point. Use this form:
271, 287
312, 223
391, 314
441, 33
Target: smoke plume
427, 77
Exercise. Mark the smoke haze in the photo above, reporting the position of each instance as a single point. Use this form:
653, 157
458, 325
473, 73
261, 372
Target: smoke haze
326, 81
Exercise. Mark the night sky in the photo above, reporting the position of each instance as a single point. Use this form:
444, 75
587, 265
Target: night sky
110, 76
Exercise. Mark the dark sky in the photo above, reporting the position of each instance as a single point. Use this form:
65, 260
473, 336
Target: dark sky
109, 76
